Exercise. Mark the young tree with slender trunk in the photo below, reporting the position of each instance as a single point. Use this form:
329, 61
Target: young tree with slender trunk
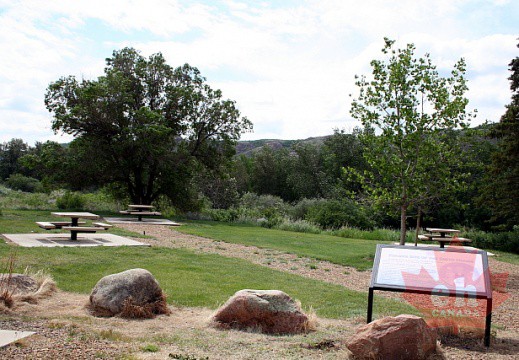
407, 110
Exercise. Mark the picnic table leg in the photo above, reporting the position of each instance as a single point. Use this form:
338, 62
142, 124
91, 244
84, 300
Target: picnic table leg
74, 222
139, 217
73, 235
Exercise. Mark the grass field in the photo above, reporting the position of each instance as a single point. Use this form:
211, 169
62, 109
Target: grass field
350, 252
187, 278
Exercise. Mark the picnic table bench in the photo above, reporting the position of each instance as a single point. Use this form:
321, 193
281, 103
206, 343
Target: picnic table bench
50, 225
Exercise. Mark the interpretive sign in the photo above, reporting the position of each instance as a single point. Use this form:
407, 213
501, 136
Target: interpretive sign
452, 272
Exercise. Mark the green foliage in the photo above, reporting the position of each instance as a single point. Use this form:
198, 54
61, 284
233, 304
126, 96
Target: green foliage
299, 210
10, 154
220, 189
335, 214
11, 199
24, 183
263, 205
502, 190
504, 241
146, 126
407, 111
224, 215
270, 172
375, 234
302, 226
70, 201
150, 348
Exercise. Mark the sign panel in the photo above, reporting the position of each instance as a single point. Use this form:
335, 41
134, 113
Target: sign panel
437, 270
457, 273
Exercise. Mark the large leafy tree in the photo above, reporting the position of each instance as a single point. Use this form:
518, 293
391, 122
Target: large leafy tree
145, 126
502, 190
407, 109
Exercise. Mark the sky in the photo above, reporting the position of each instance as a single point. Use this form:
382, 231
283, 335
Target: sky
289, 65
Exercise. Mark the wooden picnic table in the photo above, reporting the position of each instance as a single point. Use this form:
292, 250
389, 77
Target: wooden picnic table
74, 227
443, 236
140, 211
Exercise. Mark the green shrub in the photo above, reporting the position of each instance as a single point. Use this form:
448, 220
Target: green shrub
298, 226
228, 215
263, 203
100, 201
505, 241
300, 210
375, 234
24, 183
335, 214
71, 200
150, 348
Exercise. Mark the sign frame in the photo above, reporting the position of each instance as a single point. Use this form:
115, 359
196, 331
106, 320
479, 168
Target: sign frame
486, 295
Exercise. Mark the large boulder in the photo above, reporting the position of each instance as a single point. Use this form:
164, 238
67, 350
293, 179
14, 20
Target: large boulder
266, 311
401, 337
132, 293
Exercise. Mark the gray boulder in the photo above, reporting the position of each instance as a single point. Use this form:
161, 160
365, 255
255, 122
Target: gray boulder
132, 293
266, 311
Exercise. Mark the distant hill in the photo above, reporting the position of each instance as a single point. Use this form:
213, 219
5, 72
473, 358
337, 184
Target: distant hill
248, 148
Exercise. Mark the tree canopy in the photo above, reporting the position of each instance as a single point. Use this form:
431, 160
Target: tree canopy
145, 126
502, 190
407, 110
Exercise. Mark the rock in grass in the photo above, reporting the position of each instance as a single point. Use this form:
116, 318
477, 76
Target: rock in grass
132, 294
266, 311
18, 284
400, 337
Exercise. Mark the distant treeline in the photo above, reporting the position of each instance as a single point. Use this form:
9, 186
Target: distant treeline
291, 170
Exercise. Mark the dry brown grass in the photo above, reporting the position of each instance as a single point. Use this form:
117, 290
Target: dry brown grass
12, 292
146, 311
131, 310
6, 297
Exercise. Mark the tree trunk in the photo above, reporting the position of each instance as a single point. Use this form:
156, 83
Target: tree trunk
418, 225
403, 229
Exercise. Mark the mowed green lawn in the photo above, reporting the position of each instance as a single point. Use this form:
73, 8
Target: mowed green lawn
187, 278
349, 252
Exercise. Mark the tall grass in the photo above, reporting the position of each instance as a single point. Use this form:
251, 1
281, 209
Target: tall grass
20, 200
375, 234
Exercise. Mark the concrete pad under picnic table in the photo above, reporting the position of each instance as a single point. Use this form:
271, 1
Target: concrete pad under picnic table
144, 221
9, 336
84, 240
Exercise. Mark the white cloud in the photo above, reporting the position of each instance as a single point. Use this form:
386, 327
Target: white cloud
290, 68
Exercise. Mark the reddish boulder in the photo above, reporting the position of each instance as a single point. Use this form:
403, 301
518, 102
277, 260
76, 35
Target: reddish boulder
266, 311
401, 337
